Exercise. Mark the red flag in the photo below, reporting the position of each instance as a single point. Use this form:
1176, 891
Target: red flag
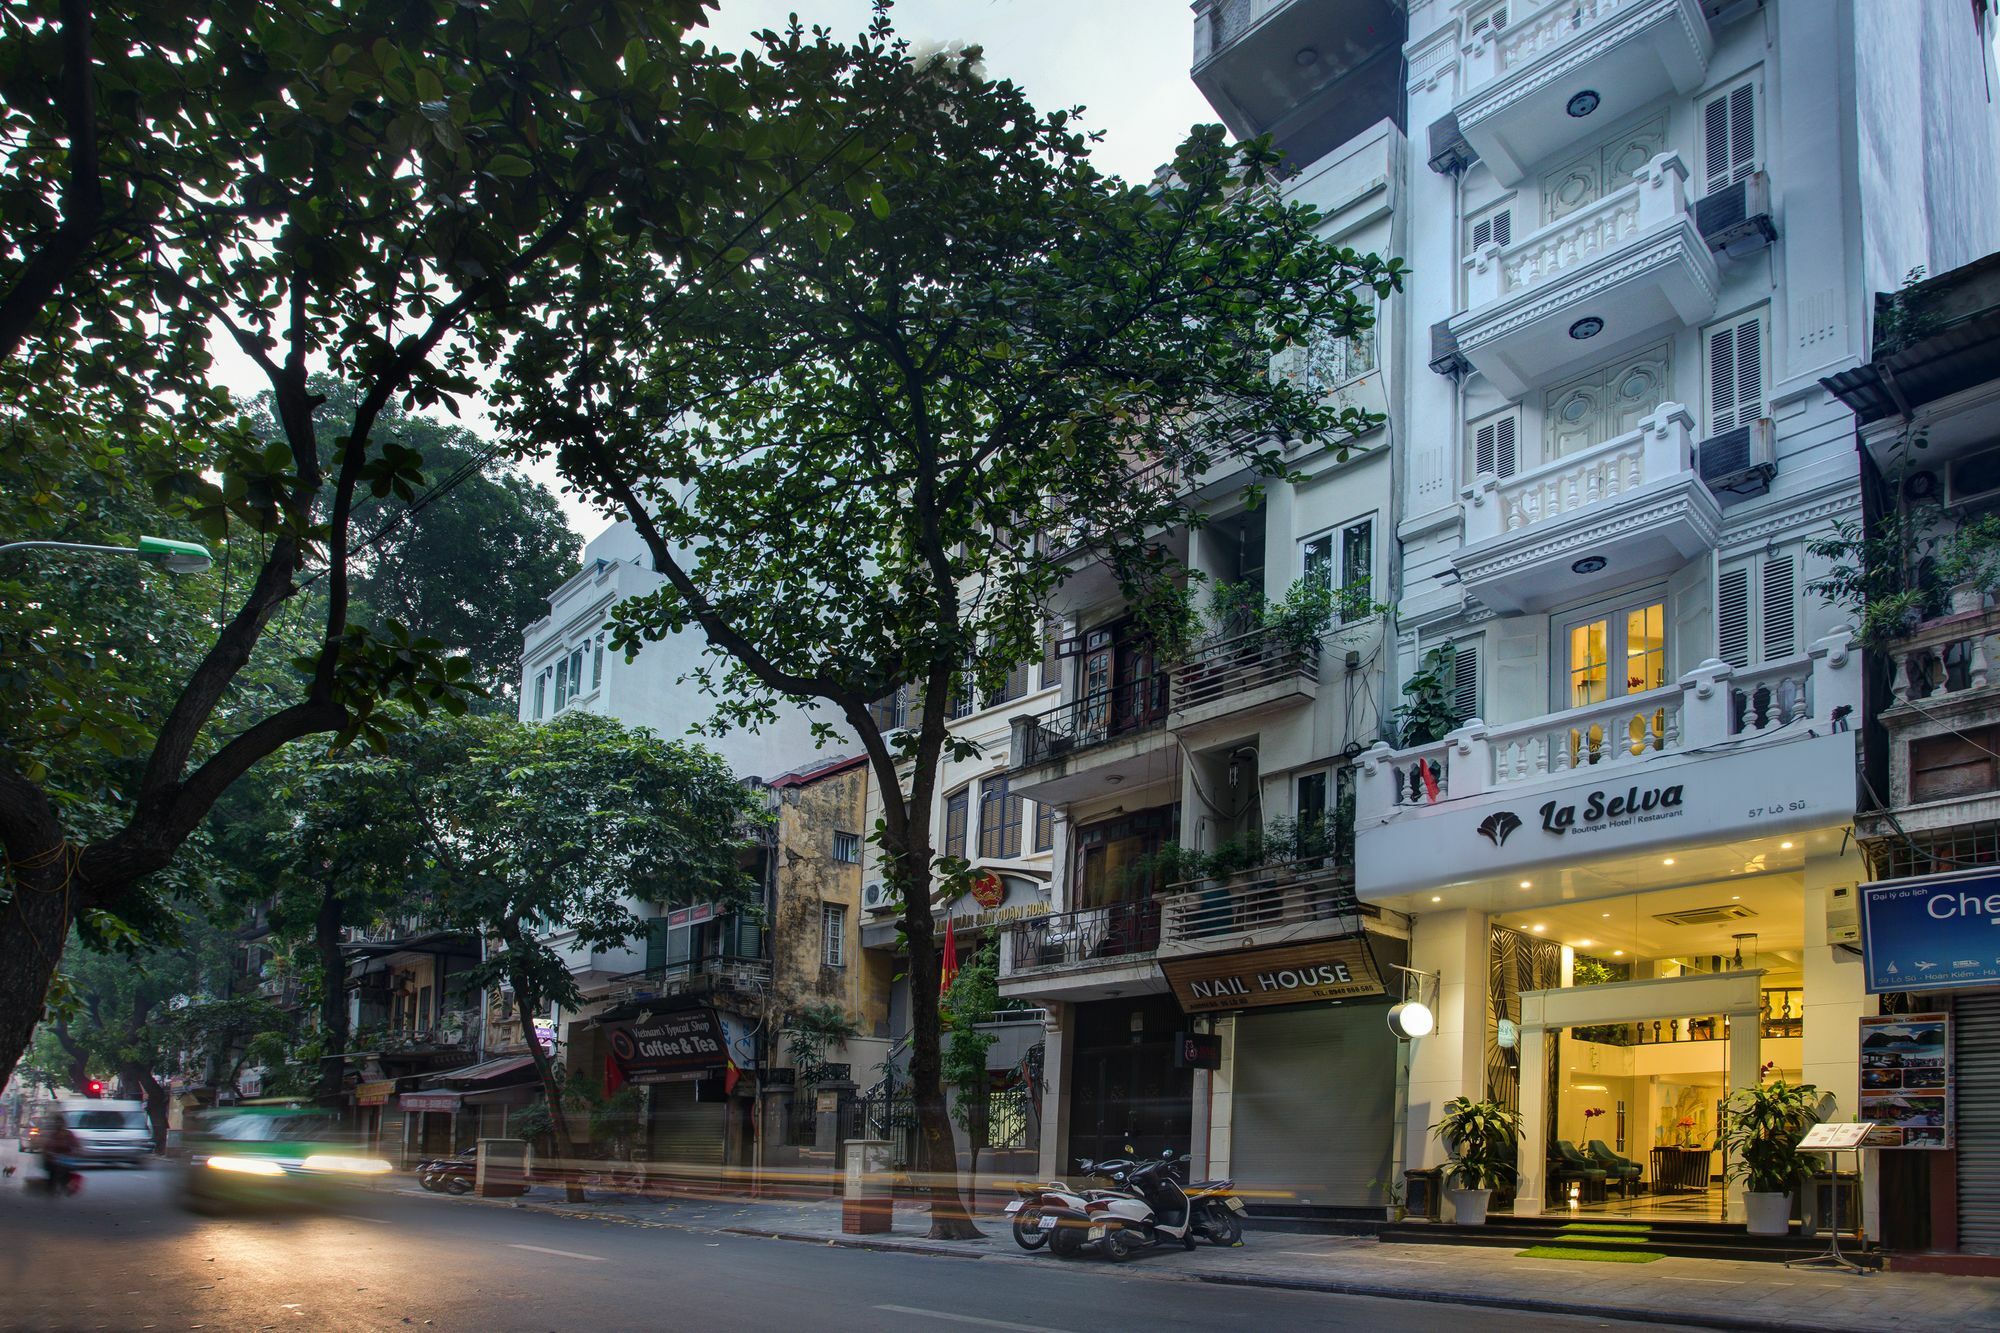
949, 970
614, 1077
1429, 771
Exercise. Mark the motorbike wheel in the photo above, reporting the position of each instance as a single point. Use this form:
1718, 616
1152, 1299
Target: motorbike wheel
457, 1185
1064, 1243
1223, 1229
1028, 1233
1121, 1245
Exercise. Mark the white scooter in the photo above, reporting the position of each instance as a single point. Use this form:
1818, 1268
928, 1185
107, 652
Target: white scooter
1038, 1213
1161, 1211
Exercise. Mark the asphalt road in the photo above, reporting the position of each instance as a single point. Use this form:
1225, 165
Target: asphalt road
124, 1256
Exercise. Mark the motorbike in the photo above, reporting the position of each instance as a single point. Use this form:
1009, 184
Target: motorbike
1159, 1211
449, 1175
1054, 1197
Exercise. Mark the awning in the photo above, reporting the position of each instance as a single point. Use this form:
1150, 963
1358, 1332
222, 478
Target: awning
486, 1069
509, 1094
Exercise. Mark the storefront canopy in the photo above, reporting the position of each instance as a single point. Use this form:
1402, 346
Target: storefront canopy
486, 1070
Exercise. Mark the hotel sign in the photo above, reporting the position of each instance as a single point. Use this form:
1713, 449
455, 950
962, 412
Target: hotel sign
1288, 974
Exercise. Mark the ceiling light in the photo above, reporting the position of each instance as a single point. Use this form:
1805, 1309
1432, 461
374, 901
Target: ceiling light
1587, 327
1784, 846
1668, 861
1307, 55
1583, 103
1527, 884
1735, 897
1436, 898
1617, 953
1590, 564
1540, 929
1584, 944
1607, 916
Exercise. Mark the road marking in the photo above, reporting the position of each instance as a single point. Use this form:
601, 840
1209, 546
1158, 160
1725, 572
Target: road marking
1716, 1281
565, 1254
968, 1319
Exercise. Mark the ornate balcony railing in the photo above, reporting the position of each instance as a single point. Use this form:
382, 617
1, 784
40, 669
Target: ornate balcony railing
1298, 893
749, 976
1661, 447
1657, 196
1529, 37
1097, 717
1711, 705
1946, 657
1121, 931
1221, 668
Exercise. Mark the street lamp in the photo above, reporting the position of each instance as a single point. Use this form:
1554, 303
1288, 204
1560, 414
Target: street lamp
175, 557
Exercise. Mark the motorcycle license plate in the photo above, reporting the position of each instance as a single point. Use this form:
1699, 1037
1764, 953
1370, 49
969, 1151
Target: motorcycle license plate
1047, 1223
1012, 1208
1235, 1205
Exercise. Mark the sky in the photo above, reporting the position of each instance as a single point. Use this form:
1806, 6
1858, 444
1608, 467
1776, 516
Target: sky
1126, 61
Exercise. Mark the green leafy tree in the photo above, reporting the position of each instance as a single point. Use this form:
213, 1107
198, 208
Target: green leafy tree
513, 832
870, 454
812, 1033
357, 189
972, 998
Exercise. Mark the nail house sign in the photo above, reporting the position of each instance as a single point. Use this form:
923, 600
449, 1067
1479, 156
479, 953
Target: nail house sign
1259, 978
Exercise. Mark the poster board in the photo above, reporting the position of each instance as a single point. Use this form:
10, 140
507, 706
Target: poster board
1906, 1080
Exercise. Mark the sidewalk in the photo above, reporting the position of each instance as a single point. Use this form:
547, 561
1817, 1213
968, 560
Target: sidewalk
1681, 1291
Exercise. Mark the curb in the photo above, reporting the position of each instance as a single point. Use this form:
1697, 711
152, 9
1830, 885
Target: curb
879, 1246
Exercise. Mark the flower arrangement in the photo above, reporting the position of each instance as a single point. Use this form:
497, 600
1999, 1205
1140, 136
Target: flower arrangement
1685, 1129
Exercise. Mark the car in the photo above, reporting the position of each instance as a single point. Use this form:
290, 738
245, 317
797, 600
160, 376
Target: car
247, 1156
108, 1131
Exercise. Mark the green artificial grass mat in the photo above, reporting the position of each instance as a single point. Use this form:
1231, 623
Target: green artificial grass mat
1589, 1256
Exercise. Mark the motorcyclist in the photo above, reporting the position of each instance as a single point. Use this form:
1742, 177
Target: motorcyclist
59, 1144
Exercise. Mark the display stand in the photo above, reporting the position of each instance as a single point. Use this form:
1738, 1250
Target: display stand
1833, 1140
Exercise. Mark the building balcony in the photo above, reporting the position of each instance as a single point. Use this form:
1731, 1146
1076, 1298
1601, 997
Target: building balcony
1722, 755
746, 977
1611, 274
1282, 67
1275, 904
1089, 954
1114, 737
1629, 508
1560, 69
1944, 696
1241, 678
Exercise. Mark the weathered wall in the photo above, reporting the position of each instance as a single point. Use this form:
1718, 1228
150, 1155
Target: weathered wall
808, 877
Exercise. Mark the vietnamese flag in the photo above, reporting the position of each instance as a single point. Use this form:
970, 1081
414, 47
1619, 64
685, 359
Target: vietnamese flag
948, 972
614, 1077
1430, 779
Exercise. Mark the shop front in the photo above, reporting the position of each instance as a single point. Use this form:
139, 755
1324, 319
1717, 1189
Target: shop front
694, 1072
1128, 1093
1300, 1108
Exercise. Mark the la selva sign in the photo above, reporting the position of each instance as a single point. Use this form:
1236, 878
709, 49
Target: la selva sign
1287, 974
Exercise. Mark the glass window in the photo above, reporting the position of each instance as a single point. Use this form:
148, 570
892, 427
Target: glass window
1589, 663
1045, 826
1114, 859
1311, 805
1357, 569
999, 820
847, 848
1624, 652
597, 663
954, 822
562, 683
542, 695
1316, 557
833, 934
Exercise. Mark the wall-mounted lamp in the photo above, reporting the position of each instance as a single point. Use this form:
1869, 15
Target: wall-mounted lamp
1412, 1018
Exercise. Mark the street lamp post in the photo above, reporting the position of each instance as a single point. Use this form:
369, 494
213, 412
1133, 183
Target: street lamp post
175, 557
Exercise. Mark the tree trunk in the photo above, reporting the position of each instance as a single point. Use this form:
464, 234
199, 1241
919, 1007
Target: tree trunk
136, 1076
34, 927
552, 1094
333, 1024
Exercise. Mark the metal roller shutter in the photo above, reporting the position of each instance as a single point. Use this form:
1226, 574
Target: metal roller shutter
686, 1132
1313, 1104
1976, 1055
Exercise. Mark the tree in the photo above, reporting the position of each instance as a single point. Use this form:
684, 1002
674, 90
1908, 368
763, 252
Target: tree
355, 189
971, 999
813, 1031
511, 832
867, 457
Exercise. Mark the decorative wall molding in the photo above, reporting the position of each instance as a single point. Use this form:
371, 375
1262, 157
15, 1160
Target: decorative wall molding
1677, 243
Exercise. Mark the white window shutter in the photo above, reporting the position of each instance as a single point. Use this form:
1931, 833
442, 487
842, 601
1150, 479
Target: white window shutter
1742, 132
1503, 227
1728, 137
1735, 374
1732, 619
1482, 232
1465, 682
1780, 613
1493, 447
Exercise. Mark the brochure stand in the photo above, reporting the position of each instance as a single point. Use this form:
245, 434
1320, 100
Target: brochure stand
1833, 1140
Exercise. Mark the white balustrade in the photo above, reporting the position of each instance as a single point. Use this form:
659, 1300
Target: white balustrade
1656, 196
1945, 657
1709, 705
1530, 36
1662, 447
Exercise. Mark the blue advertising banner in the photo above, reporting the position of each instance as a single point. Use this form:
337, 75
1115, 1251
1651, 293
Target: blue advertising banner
1935, 932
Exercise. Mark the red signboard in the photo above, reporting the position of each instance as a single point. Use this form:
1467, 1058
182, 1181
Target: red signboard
667, 1048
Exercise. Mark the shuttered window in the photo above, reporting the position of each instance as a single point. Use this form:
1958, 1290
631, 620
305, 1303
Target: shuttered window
999, 819
1465, 680
1728, 137
1496, 227
1045, 826
1757, 609
1975, 1040
1494, 444
1734, 358
954, 822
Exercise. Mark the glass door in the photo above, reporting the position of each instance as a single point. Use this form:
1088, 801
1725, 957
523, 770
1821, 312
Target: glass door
1608, 656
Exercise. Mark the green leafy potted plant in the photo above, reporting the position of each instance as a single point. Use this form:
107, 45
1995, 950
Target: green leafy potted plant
1431, 713
1761, 1129
1480, 1139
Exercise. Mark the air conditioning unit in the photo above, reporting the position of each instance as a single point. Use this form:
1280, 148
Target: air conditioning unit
1972, 480
1738, 464
1843, 914
1737, 217
1446, 359
1450, 153
875, 897
1719, 915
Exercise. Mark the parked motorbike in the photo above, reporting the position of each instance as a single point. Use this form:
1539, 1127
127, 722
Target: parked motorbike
1054, 1198
1158, 1211
449, 1175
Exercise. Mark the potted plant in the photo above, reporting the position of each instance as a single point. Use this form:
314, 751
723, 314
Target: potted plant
1969, 563
1761, 1129
1480, 1138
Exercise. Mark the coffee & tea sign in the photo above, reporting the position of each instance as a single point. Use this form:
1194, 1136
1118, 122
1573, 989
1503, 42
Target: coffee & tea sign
669, 1047
1289, 974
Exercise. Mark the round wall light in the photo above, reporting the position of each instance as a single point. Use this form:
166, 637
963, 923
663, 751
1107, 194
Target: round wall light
1583, 103
1587, 327
1590, 564
1411, 1019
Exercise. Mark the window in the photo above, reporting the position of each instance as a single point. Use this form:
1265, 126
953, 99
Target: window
562, 683
832, 935
1495, 226
1357, 569
541, 695
1311, 806
964, 689
1013, 687
1114, 858
1734, 353
999, 819
847, 848
1757, 608
1493, 445
954, 822
1605, 169
597, 662
1604, 404
1045, 826
1328, 358
1051, 660
892, 711
1728, 137
576, 671
1465, 680
1959, 764
1616, 653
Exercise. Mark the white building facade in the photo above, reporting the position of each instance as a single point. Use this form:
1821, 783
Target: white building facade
1651, 228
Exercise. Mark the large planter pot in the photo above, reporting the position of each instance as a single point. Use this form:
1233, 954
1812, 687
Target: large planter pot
1966, 598
1468, 1207
1767, 1214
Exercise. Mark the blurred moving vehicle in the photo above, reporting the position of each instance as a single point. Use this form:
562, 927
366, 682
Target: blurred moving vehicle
266, 1155
104, 1131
